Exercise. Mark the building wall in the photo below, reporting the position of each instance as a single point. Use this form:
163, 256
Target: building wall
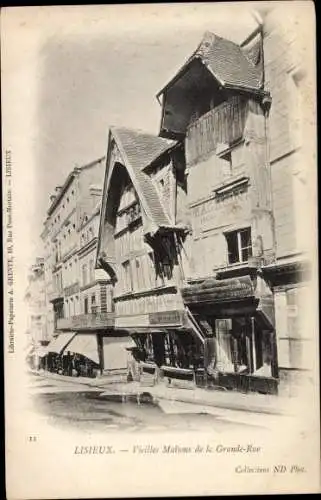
139, 269
283, 206
35, 298
63, 238
230, 191
95, 288
285, 77
48, 278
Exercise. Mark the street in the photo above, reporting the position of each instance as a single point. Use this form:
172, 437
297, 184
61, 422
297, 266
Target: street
69, 403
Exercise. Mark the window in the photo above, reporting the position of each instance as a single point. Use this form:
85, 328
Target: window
149, 348
166, 268
86, 305
93, 304
153, 277
128, 282
239, 245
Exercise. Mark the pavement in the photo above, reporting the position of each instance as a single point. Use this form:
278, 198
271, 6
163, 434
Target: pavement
110, 386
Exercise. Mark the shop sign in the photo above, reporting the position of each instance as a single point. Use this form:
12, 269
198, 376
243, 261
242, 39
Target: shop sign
131, 321
216, 212
166, 318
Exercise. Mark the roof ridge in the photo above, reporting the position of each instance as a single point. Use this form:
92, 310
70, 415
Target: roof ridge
141, 132
221, 56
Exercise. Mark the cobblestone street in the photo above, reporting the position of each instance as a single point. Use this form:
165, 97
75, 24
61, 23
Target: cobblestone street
90, 407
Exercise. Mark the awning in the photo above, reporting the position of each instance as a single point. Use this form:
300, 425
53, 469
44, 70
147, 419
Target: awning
212, 291
58, 344
194, 327
85, 344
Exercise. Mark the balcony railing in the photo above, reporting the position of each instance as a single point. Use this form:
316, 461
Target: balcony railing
98, 321
222, 125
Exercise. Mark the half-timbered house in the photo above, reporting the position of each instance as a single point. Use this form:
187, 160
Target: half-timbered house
200, 237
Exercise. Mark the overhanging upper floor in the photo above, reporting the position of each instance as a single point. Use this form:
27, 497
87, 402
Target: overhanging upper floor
217, 70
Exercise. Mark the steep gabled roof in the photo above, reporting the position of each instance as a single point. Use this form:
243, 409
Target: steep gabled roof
226, 61
139, 150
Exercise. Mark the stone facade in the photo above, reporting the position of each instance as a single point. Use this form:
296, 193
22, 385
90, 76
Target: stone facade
63, 236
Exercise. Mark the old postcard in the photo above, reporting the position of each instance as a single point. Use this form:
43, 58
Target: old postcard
160, 250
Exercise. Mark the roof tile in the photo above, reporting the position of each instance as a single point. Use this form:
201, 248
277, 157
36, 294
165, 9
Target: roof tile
141, 150
228, 62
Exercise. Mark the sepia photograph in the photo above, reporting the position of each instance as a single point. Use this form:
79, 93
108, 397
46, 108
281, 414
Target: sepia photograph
160, 249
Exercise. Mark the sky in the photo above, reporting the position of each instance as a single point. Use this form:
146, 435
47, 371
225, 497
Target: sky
92, 67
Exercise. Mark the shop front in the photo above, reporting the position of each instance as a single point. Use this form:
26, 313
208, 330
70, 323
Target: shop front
239, 335
167, 347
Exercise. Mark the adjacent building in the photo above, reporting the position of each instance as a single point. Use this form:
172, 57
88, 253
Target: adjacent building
80, 297
199, 226
140, 246
35, 299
